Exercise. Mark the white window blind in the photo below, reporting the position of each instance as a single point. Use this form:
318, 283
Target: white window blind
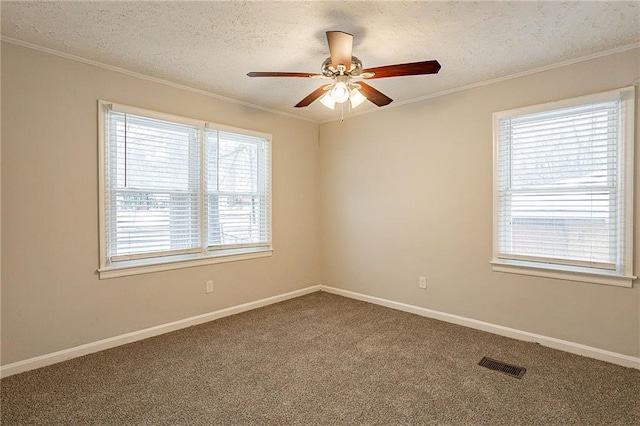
176, 189
563, 196
152, 203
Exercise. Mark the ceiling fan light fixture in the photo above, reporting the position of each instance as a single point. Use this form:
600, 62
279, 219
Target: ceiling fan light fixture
328, 101
340, 92
356, 98
345, 70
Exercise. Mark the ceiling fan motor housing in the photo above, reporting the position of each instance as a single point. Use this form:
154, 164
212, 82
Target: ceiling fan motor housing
328, 70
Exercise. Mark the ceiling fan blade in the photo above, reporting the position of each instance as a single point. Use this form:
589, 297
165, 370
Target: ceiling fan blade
398, 70
280, 74
374, 95
340, 48
311, 97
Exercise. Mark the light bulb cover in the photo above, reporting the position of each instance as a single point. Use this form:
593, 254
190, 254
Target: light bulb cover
339, 92
356, 98
328, 101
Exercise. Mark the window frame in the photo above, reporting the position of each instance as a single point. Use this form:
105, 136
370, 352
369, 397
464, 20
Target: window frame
626, 142
205, 256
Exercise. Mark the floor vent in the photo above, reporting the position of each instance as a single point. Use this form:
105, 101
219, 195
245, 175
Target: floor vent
502, 367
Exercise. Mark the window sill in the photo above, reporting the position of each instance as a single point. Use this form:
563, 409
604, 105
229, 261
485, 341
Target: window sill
562, 272
137, 267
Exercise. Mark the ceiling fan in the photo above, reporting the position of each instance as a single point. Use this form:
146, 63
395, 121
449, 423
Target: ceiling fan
347, 74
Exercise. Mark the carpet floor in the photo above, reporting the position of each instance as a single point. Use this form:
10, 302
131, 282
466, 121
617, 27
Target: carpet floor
326, 360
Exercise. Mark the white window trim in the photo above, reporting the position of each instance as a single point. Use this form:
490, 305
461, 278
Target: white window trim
565, 272
206, 257
146, 266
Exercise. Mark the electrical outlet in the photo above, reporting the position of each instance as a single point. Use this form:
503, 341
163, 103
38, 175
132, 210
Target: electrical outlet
209, 287
422, 283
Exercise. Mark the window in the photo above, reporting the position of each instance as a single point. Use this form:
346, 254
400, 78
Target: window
563, 189
177, 192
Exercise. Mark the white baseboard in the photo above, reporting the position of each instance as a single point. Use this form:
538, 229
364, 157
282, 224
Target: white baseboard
66, 354
63, 355
563, 345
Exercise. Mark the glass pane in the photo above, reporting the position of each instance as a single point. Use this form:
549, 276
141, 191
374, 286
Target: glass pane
237, 219
238, 164
154, 154
565, 148
147, 222
568, 225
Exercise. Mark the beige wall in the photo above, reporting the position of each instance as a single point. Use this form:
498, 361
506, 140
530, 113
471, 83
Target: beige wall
402, 192
407, 191
51, 296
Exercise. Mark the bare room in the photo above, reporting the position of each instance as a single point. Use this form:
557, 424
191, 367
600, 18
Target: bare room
319, 212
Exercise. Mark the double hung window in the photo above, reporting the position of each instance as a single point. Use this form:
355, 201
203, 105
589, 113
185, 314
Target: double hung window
563, 189
177, 192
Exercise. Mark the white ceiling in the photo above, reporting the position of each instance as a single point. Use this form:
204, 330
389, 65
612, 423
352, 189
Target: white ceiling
211, 45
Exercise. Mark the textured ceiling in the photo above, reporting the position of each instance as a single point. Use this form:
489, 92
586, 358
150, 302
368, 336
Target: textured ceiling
212, 45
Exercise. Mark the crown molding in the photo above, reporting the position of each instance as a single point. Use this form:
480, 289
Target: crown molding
608, 52
146, 77
80, 59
